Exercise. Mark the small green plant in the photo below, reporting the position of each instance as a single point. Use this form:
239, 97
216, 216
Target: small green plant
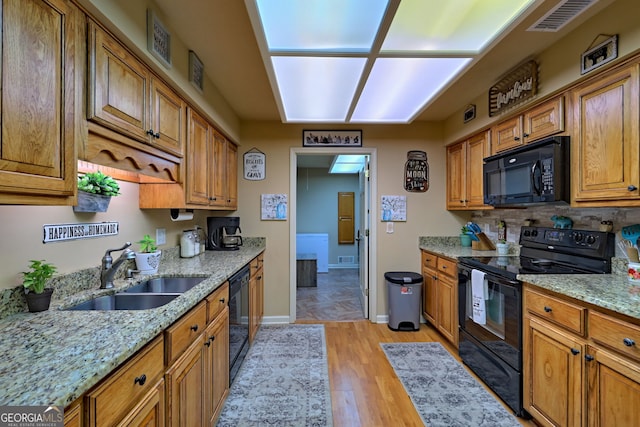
147, 244
464, 229
98, 183
35, 279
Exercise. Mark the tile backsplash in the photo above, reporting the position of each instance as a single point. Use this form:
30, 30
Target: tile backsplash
583, 218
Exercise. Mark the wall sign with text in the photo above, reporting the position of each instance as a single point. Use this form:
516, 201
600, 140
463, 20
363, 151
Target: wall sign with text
255, 165
62, 232
518, 85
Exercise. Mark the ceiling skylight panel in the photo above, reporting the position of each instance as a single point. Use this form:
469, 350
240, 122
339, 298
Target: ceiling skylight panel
321, 25
451, 25
317, 88
398, 88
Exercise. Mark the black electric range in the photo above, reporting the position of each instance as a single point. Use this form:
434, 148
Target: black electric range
551, 251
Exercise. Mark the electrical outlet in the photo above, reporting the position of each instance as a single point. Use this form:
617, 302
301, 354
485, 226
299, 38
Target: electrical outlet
161, 236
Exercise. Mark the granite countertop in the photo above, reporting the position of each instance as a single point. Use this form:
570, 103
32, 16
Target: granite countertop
53, 357
610, 291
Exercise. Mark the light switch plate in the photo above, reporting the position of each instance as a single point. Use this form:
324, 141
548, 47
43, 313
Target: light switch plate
161, 236
390, 227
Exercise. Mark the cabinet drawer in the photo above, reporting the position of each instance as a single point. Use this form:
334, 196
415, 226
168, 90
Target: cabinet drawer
616, 334
429, 260
563, 313
182, 333
109, 402
447, 267
256, 264
217, 301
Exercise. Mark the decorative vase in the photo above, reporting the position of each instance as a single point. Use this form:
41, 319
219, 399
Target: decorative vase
465, 240
89, 202
39, 302
148, 263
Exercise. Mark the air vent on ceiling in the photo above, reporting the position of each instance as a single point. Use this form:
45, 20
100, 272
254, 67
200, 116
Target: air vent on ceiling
565, 12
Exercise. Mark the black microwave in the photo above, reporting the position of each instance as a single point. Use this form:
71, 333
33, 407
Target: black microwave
537, 173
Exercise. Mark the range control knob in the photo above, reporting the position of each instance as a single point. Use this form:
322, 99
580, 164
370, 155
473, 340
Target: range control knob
534, 233
591, 239
578, 237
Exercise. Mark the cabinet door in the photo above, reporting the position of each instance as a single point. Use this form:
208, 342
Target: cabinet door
41, 45
197, 168
219, 175
149, 412
507, 135
253, 308
346, 219
477, 150
447, 308
232, 175
217, 363
456, 176
117, 86
167, 118
605, 142
185, 388
544, 120
613, 388
553, 366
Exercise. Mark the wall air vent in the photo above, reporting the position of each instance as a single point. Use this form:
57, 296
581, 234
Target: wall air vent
565, 12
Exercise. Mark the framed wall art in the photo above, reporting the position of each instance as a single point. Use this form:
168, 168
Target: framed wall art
196, 71
332, 138
599, 54
158, 39
273, 207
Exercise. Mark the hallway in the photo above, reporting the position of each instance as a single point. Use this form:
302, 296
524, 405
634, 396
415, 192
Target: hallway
335, 298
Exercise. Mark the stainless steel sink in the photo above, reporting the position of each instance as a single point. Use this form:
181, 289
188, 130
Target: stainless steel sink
165, 285
126, 301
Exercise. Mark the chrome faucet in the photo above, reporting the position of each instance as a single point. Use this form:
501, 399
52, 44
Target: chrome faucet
109, 268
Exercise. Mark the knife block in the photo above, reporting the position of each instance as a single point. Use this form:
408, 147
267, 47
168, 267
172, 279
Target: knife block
483, 243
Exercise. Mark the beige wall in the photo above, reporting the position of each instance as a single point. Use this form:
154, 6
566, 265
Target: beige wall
397, 251
559, 65
22, 233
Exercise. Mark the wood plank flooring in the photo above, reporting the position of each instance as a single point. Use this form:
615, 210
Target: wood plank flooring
335, 298
365, 390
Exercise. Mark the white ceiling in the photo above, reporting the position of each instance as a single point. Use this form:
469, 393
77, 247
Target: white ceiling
220, 32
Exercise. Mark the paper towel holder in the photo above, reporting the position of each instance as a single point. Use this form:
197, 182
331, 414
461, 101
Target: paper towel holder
177, 216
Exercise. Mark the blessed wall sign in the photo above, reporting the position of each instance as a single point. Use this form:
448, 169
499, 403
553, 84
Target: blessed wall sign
515, 87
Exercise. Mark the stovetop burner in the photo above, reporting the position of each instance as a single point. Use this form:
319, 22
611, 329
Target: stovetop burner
552, 251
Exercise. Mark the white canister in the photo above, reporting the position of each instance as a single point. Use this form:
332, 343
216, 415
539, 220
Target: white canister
187, 244
634, 271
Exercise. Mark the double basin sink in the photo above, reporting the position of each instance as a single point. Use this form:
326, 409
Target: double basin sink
149, 294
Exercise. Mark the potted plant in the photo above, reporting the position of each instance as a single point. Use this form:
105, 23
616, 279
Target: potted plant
465, 237
95, 190
34, 281
148, 258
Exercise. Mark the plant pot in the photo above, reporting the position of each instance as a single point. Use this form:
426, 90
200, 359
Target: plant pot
465, 240
39, 302
503, 248
148, 263
89, 202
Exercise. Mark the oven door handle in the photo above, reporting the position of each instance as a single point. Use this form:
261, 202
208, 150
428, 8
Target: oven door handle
501, 280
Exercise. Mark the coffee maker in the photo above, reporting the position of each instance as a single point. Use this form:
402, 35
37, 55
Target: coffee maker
222, 233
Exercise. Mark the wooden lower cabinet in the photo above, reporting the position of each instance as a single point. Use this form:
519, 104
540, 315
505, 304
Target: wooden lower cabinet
149, 412
216, 367
440, 294
256, 296
581, 367
73, 414
185, 387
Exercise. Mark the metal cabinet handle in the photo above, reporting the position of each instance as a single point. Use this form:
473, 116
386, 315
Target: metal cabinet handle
140, 380
526, 135
575, 351
632, 188
588, 357
194, 328
222, 300
547, 309
516, 138
629, 342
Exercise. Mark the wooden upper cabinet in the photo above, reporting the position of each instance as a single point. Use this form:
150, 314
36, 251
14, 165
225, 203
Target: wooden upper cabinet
199, 151
605, 142
464, 172
124, 96
538, 122
225, 186
42, 50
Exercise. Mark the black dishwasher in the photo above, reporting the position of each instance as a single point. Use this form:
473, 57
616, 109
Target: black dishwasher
238, 320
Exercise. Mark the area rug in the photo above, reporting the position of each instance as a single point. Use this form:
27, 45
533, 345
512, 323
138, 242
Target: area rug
283, 381
442, 391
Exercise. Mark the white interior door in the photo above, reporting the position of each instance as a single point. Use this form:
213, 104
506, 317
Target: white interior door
363, 238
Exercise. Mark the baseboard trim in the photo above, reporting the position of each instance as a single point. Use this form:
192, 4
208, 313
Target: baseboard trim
344, 265
276, 320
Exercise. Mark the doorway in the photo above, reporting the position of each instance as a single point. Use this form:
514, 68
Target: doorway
364, 293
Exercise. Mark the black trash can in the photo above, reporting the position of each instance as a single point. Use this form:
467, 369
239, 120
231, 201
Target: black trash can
404, 295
